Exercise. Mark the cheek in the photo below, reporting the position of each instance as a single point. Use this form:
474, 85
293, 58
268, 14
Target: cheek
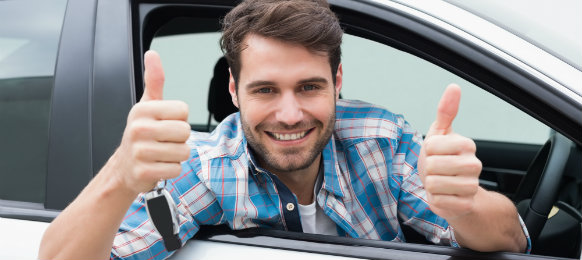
321, 109
253, 113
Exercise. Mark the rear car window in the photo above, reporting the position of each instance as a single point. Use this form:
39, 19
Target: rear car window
28, 52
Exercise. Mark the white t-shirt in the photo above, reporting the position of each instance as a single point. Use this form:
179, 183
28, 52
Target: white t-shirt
313, 219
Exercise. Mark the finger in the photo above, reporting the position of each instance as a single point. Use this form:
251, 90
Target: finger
446, 111
162, 152
158, 170
451, 203
161, 110
172, 131
452, 144
451, 185
175, 131
153, 77
453, 165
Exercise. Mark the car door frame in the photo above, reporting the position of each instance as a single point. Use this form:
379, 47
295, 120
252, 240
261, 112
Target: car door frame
405, 32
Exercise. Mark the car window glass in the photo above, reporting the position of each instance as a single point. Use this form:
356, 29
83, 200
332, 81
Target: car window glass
28, 51
188, 61
408, 85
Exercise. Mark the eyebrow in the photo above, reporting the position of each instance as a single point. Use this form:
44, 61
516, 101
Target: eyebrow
262, 83
313, 80
259, 83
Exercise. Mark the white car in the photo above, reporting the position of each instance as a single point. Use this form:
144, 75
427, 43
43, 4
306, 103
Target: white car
70, 70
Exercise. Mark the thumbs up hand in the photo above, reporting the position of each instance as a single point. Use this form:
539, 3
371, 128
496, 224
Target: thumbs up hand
447, 164
153, 143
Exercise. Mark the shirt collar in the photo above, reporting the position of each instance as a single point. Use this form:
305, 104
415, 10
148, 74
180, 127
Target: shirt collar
332, 178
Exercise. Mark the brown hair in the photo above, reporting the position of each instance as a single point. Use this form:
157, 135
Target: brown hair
309, 23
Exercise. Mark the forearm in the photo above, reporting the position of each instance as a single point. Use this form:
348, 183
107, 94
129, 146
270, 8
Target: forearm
87, 227
492, 226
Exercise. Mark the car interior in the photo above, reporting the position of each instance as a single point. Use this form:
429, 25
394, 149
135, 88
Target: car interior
544, 181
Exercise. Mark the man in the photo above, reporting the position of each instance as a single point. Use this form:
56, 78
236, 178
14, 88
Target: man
295, 158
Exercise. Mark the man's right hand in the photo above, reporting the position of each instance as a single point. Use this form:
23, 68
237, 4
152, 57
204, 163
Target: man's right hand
153, 144
152, 148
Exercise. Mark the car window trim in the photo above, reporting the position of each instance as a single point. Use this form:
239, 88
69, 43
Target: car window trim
345, 246
26, 211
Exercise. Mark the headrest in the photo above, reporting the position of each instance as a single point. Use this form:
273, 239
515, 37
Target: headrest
219, 100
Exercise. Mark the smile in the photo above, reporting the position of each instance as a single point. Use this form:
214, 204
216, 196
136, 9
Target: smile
289, 136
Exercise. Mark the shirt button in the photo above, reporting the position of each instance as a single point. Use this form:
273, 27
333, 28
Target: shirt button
290, 206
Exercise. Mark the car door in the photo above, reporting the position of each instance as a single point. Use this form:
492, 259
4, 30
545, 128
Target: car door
392, 58
74, 112
28, 55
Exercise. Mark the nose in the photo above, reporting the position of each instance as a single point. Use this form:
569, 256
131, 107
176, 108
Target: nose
289, 110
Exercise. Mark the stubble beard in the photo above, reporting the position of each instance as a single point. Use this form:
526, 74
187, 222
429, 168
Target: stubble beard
290, 159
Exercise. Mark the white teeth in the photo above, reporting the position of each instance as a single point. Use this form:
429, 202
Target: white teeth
289, 137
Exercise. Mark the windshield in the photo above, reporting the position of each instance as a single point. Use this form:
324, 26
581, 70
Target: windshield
554, 26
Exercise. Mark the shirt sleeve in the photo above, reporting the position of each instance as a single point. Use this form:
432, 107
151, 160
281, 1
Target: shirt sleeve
137, 237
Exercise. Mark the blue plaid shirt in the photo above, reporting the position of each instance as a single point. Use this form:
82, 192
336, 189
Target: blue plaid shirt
370, 185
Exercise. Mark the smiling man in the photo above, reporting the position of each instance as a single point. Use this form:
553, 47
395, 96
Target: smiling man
295, 158
287, 103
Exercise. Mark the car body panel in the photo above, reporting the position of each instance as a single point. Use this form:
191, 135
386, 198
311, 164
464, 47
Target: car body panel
98, 79
23, 239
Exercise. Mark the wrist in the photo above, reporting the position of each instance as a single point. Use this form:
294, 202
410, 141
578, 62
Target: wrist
114, 176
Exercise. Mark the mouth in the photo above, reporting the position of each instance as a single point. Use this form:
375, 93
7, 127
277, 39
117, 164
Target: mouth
289, 136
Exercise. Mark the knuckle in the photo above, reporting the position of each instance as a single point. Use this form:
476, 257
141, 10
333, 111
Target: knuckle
468, 145
185, 152
429, 183
181, 109
135, 111
140, 109
173, 170
429, 164
470, 186
138, 129
428, 144
185, 130
475, 166
142, 152
474, 187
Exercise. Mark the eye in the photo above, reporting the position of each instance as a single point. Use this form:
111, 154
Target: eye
264, 90
310, 87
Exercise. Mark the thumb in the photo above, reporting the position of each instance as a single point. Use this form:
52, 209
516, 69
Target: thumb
153, 77
446, 111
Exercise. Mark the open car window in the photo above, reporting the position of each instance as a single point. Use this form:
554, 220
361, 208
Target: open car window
390, 66
411, 86
188, 61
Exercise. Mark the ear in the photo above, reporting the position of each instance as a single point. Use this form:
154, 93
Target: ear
232, 89
338, 81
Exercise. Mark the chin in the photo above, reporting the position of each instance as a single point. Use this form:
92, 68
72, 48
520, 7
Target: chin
288, 162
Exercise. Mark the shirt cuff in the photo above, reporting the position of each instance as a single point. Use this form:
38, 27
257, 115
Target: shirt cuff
524, 228
453, 242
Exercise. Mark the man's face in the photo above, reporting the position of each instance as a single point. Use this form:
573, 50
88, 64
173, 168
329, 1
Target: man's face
287, 100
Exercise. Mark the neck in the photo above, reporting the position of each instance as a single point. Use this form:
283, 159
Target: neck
301, 182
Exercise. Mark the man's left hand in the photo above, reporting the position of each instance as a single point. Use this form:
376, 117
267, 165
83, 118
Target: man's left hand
447, 164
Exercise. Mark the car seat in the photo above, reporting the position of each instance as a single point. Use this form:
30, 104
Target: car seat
219, 99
